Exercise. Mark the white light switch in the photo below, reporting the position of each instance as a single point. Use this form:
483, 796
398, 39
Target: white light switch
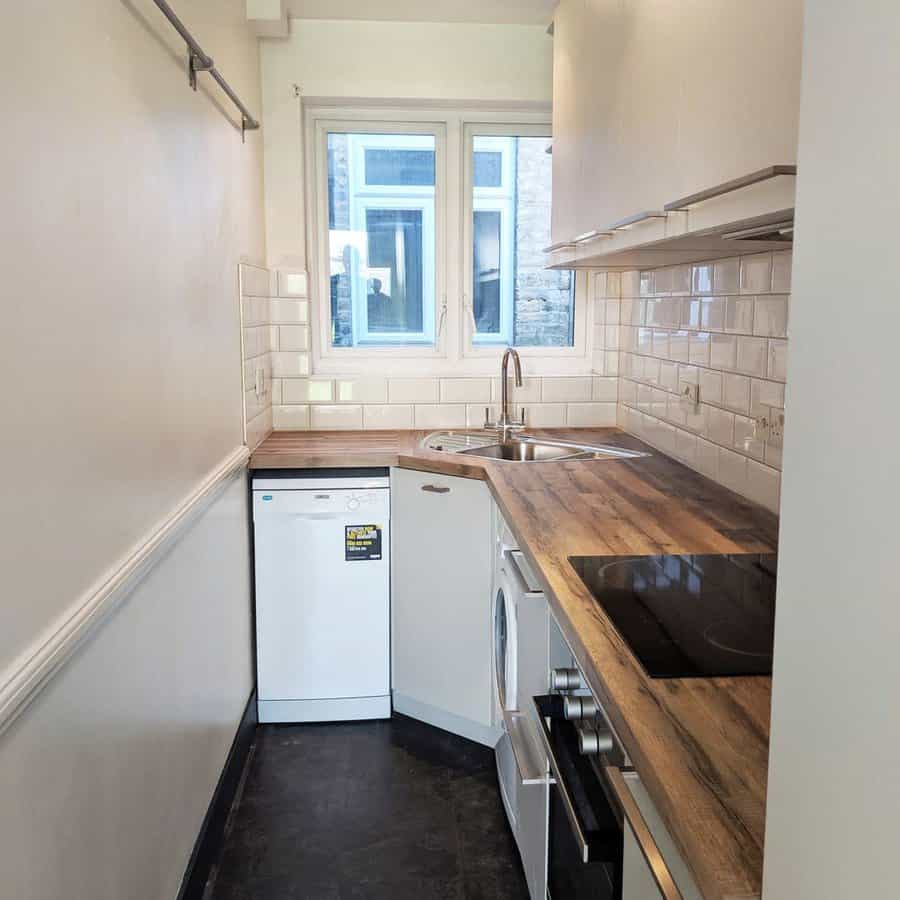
259, 386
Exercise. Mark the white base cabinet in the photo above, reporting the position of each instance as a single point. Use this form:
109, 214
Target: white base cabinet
441, 602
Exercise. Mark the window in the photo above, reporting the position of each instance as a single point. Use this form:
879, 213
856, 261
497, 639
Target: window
515, 299
381, 238
426, 230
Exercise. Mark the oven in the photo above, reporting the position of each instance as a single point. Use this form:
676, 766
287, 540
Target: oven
595, 825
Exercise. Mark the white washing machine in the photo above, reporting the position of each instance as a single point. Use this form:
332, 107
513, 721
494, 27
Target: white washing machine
521, 657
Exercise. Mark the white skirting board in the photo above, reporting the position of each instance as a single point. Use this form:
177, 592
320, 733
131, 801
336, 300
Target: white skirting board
474, 731
29, 674
345, 709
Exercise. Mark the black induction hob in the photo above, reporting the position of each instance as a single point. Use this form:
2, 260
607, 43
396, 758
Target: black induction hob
689, 616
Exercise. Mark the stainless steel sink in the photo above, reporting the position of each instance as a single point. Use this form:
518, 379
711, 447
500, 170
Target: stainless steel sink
521, 447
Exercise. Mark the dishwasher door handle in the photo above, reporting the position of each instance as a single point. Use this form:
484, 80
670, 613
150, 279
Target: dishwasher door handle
435, 489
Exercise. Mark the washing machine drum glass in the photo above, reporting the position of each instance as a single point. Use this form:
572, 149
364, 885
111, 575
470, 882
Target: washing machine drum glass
504, 651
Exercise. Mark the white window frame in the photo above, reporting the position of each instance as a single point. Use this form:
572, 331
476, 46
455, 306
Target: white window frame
501, 200
453, 352
365, 196
473, 348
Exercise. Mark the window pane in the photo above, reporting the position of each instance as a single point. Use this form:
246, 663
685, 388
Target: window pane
381, 211
394, 290
486, 290
522, 303
399, 167
488, 169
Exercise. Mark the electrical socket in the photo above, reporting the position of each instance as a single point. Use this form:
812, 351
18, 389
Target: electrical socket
690, 396
769, 427
259, 386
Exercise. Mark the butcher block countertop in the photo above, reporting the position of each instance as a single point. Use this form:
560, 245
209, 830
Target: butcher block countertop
700, 745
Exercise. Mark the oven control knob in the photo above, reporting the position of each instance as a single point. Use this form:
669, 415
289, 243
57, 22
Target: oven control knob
565, 680
593, 740
576, 707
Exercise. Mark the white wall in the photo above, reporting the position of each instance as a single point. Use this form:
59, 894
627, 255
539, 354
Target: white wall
383, 60
834, 772
107, 776
128, 201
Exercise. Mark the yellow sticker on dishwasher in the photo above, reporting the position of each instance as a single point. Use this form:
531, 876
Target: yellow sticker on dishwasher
362, 542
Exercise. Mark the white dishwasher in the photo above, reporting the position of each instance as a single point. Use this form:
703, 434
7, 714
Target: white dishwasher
322, 563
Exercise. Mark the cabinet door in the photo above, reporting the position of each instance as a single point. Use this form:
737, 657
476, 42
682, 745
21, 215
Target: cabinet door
739, 91
441, 601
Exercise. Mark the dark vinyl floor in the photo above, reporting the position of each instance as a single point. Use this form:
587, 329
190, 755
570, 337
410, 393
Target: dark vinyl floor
394, 809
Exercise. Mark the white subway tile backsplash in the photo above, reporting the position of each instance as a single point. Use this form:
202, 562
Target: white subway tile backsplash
288, 364
330, 417
733, 470
591, 415
745, 440
565, 390
778, 351
686, 446
702, 279
446, 415
254, 281
679, 346
290, 418
307, 390
645, 340
660, 345
292, 283
465, 390
388, 416
756, 273
288, 312
293, 337
712, 313
413, 390
723, 351
739, 315
707, 458
477, 414
530, 392
545, 415
668, 376
736, 392
751, 355
361, 390
720, 426
631, 284
691, 313
781, 272
651, 369
763, 485
771, 316
711, 386
605, 389
698, 348
726, 276
765, 395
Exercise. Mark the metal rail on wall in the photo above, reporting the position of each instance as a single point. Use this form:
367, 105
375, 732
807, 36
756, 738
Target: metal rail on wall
198, 61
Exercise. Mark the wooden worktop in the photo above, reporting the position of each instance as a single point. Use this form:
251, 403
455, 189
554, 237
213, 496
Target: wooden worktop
699, 745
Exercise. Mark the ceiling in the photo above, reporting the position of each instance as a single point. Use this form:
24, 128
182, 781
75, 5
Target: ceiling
500, 12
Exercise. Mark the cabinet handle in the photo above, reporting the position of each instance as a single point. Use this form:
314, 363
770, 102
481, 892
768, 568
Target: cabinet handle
727, 187
637, 217
435, 489
634, 819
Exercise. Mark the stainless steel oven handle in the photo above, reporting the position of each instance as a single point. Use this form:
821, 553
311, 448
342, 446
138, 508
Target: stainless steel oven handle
571, 815
634, 819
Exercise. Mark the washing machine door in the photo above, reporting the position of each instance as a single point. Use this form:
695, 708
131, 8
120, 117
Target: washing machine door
505, 645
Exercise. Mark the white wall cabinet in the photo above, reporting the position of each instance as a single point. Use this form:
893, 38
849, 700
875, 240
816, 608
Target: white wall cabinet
441, 602
655, 100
